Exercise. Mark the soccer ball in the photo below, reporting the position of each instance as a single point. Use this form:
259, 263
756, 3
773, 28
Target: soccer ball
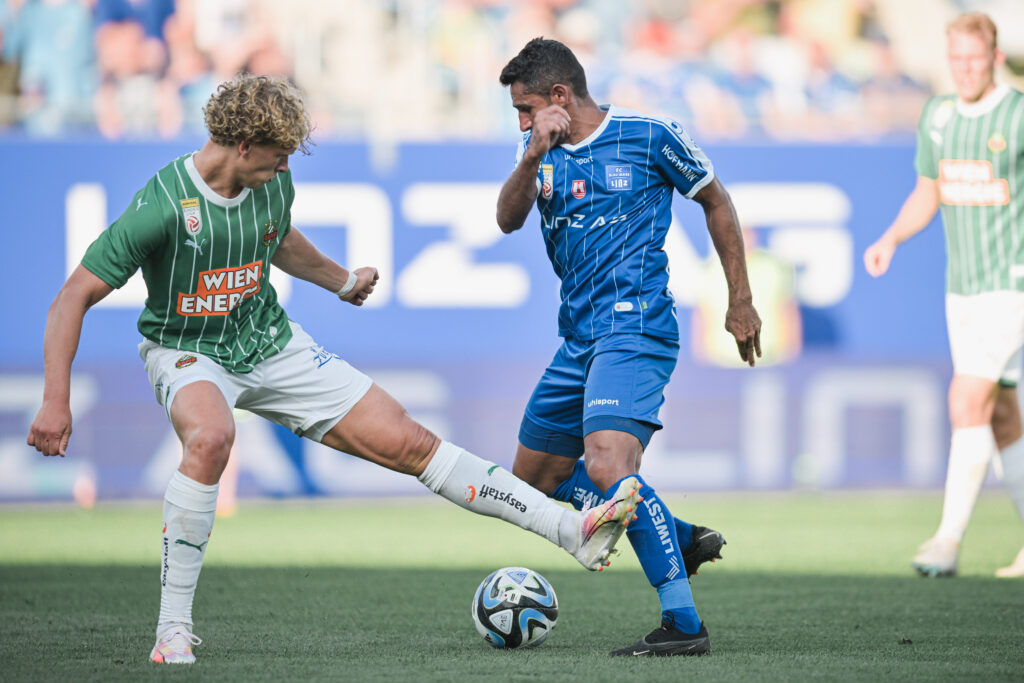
515, 607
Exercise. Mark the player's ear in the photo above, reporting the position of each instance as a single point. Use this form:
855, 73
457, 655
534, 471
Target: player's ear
560, 95
244, 147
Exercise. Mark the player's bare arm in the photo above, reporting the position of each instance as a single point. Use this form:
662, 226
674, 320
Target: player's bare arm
300, 258
915, 215
741, 319
51, 428
550, 125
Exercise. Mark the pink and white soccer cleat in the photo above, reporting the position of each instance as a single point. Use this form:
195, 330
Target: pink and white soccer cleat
174, 646
601, 526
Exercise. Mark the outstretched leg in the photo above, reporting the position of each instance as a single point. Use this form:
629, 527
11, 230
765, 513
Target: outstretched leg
380, 430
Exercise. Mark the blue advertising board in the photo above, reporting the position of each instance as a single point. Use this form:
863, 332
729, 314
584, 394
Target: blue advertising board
464, 321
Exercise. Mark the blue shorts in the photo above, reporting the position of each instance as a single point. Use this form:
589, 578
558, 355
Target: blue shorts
616, 382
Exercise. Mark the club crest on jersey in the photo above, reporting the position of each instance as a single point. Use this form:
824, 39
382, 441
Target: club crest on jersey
185, 361
579, 189
997, 143
547, 183
269, 232
193, 218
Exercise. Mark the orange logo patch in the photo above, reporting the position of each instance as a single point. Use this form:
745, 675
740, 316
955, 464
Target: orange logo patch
220, 291
971, 183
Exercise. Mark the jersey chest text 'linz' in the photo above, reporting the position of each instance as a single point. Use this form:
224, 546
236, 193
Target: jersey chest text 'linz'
206, 263
605, 206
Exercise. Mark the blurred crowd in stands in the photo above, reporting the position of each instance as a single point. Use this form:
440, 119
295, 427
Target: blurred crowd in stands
850, 70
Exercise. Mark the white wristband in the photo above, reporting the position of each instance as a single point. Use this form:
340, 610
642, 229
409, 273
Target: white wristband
349, 285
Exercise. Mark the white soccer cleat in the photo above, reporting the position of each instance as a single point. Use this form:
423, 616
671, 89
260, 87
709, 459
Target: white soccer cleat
174, 646
937, 557
1015, 570
601, 526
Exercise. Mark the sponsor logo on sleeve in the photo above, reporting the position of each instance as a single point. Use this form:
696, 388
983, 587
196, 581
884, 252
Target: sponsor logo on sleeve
579, 189
547, 182
220, 291
193, 216
679, 164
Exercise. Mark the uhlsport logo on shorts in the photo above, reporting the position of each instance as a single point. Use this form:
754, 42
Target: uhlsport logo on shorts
185, 361
193, 217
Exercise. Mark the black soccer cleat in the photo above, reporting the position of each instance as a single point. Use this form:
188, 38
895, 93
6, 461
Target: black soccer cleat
668, 641
706, 547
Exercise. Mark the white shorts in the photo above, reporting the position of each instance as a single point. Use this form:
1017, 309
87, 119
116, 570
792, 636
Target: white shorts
986, 333
304, 388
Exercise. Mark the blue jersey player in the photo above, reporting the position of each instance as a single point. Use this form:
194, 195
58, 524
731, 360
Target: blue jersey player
603, 180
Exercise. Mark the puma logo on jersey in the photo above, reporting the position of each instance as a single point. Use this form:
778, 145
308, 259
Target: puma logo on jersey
140, 204
197, 246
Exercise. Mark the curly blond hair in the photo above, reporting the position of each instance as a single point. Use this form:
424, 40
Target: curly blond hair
261, 109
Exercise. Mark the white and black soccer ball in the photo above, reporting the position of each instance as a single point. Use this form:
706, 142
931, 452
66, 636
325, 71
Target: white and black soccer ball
515, 607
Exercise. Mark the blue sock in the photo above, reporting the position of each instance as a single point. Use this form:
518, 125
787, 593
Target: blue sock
579, 488
653, 537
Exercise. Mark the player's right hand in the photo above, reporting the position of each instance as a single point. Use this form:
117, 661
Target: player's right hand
550, 127
51, 429
878, 256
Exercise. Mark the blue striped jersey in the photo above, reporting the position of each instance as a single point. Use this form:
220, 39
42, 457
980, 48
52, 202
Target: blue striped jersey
605, 206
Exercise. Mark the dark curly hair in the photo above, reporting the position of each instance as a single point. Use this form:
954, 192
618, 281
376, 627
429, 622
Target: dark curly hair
542, 64
263, 109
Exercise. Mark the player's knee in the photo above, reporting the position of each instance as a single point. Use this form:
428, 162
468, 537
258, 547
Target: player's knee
967, 409
209, 445
607, 462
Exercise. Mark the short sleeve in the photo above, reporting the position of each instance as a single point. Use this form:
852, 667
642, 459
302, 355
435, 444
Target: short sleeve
120, 250
679, 160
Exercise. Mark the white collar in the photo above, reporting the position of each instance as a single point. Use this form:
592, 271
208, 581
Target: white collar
973, 110
207, 191
594, 135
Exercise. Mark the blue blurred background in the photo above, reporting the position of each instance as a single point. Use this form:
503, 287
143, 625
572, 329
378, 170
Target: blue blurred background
806, 107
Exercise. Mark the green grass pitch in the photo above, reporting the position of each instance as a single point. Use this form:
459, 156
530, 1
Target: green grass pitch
813, 586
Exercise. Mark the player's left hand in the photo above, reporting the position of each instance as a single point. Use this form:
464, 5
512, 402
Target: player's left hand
743, 323
366, 278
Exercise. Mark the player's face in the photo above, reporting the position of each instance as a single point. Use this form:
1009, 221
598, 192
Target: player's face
972, 62
526, 104
260, 163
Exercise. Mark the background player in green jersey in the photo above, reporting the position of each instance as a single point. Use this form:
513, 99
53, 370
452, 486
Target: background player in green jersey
970, 163
205, 231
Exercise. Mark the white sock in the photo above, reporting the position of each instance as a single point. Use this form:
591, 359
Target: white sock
189, 509
487, 489
971, 449
1013, 473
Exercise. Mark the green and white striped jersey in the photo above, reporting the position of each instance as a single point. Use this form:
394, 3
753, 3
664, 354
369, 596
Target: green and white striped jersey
975, 152
206, 263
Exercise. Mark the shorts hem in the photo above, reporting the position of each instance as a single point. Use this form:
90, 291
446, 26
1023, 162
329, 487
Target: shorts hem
643, 431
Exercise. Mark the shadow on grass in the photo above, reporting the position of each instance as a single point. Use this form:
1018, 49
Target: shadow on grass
97, 623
